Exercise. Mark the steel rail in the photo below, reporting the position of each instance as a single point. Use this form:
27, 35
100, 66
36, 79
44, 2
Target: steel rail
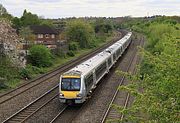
31, 108
55, 118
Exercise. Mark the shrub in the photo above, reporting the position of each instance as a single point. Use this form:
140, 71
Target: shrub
24, 73
73, 46
30, 71
40, 56
70, 53
60, 53
2, 83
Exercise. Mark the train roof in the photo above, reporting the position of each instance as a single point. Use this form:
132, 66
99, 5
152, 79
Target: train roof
85, 67
113, 48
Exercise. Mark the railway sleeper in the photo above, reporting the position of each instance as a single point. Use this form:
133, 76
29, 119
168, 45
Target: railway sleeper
12, 121
15, 120
21, 116
26, 113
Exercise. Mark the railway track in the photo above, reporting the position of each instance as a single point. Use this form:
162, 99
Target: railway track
33, 107
33, 83
26, 112
66, 115
69, 113
58, 115
111, 113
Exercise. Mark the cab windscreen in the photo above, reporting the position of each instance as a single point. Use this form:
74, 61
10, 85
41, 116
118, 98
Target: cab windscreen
70, 84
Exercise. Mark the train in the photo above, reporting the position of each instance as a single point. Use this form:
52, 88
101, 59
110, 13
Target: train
77, 83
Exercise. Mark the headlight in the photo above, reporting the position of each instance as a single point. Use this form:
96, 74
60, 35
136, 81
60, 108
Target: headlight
61, 94
79, 95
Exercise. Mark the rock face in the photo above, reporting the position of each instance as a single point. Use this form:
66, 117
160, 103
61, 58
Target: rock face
9, 42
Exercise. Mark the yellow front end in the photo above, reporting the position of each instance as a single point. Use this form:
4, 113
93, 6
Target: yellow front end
70, 94
70, 89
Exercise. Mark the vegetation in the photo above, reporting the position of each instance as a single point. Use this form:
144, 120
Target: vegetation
9, 76
4, 14
156, 85
28, 19
27, 34
81, 32
2, 10
81, 39
40, 59
40, 56
102, 26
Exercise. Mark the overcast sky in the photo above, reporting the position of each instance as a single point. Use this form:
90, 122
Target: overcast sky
103, 8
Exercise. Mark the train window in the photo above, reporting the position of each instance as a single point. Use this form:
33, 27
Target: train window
109, 61
121, 50
118, 52
70, 84
100, 70
89, 80
114, 57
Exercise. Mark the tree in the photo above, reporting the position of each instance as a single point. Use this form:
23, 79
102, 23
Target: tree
4, 13
40, 56
156, 85
29, 19
102, 26
81, 32
16, 23
47, 23
2, 10
27, 34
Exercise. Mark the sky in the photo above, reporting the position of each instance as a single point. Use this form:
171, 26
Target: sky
95, 8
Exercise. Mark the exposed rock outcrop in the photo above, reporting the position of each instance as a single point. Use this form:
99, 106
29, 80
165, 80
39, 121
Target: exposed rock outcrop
9, 42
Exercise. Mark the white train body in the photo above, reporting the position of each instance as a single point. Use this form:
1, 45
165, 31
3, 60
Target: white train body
77, 83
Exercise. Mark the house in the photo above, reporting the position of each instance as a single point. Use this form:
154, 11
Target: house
45, 35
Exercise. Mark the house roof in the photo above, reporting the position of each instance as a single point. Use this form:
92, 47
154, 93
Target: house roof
43, 30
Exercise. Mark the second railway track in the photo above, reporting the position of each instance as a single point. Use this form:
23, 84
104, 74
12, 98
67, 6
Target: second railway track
33, 107
111, 113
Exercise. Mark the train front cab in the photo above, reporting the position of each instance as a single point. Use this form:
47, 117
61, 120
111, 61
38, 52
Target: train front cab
70, 90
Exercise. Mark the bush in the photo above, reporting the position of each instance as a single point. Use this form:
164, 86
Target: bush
73, 46
30, 71
2, 83
24, 73
60, 53
70, 53
40, 56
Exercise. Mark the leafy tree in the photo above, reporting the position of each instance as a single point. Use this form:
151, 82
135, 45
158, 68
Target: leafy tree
2, 10
16, 23
47, 23
156, 85
29, 19
4, 13
40, 56
81, 32
102, 26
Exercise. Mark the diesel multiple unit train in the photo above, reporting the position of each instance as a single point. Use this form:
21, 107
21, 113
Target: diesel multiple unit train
76, 84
